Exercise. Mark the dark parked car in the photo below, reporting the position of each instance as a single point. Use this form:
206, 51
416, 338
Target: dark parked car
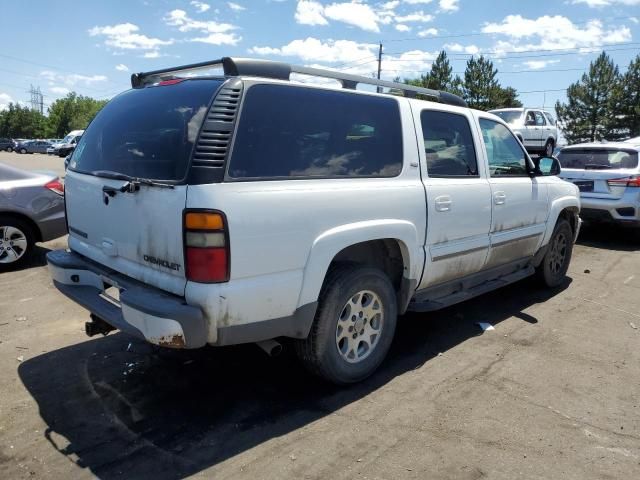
7, 144
31, 210
33, 146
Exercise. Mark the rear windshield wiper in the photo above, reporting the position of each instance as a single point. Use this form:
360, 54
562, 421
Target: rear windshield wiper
596, 166
133, 183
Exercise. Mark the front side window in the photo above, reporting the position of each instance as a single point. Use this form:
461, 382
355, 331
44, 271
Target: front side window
530, 118
298, 132
504, 153
448, 144
540, 119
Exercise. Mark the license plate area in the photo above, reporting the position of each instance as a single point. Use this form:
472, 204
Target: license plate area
584, 185
111, 292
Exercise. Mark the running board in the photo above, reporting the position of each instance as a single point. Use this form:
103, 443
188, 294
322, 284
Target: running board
429, 305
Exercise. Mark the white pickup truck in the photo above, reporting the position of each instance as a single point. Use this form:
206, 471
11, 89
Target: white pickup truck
247, 207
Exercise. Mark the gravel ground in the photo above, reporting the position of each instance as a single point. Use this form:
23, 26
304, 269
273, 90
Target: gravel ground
552, 392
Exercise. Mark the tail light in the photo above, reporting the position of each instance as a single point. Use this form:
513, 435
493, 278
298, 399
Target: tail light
206, 247
55, 186
632, 181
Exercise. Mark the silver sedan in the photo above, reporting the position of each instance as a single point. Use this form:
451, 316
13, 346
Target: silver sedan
31, 210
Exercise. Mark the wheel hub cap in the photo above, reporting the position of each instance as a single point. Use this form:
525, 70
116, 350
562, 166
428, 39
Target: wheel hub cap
13, 244
558, 253
359, 326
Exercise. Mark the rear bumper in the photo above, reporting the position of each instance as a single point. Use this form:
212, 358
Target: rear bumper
624, 211
145, 312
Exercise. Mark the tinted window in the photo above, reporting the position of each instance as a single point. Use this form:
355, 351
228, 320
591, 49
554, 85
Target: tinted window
448, 144
550, 118
147, 132
585, 158
530, 118
540, 119
289, 131
505, 155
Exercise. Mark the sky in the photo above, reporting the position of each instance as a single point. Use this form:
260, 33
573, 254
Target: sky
92, 47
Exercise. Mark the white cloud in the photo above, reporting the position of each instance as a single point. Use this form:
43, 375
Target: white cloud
125, 36
357, 14
235, 6
428, 31
414, 17
552, 33
607, 3
310, 12
121, 67
5, 100
403, 28
154, 54
456, 47
417, 2
449, 5
201, 7
71, 79
351, 57
390, 5
60, 90
538, 64
214, 33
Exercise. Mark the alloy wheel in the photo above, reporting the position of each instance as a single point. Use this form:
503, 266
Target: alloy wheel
558, 253
13, 244
359, 326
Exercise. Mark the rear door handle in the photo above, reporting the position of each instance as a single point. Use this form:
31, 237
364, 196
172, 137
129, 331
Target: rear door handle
443, 203
499, 198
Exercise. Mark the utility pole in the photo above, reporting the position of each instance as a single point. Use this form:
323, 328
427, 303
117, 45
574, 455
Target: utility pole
379, 89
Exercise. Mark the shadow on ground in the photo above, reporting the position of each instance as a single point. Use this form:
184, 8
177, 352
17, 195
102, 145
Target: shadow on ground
145, 412
610, 237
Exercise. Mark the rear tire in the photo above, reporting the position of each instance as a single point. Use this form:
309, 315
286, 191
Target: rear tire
548, 148
17, 242
23, 150
553, 269
353, 327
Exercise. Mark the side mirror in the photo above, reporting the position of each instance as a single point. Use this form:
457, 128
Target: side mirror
549, 166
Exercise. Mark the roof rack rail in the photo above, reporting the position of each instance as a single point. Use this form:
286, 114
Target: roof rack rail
234, 67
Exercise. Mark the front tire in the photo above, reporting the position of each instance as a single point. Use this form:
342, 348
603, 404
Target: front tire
353, 327
16, 243
553, 269
548, 148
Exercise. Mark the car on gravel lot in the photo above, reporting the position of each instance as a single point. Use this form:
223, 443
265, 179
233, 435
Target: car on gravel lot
535, 128
608, 176
31, 210
7, 144
247, 207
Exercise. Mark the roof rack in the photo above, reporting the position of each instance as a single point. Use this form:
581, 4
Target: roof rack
234, 67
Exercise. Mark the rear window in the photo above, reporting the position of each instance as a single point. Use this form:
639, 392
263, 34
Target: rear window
298, 132
600, 158
509, 116
147, 132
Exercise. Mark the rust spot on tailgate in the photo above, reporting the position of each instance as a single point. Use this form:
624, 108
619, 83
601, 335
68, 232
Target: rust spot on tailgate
171, 341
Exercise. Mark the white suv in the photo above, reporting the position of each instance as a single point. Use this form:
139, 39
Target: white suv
246, 207
535, 128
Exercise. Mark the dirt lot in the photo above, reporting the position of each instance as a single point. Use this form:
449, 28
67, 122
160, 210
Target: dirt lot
553, 392
34, 161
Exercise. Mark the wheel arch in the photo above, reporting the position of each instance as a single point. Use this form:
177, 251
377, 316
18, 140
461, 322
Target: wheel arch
567, 209
391, 245
25, 218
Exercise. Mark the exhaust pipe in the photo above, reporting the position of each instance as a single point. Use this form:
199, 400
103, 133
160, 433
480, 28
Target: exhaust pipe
271, 347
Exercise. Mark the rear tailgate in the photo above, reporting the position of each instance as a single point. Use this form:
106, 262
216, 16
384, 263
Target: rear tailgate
126, 184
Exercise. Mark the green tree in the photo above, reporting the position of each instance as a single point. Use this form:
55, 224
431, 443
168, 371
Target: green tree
630, 98
438, 78
593, 108
73, 112
22, 122
481, 89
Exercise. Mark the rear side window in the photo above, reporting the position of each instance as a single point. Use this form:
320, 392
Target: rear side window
147, 132
598, 159
448, 144
298, 132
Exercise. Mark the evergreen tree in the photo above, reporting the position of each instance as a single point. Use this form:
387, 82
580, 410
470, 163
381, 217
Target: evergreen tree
630, 98
593, 108
480, 84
